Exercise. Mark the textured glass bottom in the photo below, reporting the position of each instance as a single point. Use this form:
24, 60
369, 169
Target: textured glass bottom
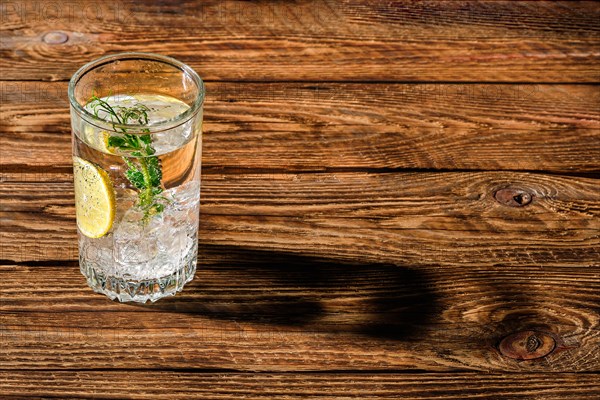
139, 291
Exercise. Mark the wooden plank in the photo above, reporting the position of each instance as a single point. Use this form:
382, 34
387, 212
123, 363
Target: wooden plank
308, 127
342, 386
254, 310
462, 41
448, 219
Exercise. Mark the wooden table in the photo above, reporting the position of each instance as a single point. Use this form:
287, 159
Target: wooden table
400, 200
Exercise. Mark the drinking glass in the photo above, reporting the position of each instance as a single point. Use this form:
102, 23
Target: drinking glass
137, 143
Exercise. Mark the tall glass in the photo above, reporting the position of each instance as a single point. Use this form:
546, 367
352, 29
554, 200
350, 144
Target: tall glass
137, 144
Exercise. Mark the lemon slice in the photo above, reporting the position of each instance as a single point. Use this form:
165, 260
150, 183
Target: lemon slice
98, 140
94, 198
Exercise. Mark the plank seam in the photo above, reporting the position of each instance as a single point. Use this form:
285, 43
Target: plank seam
358, 81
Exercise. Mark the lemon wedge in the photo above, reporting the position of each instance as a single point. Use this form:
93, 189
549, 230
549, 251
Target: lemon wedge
94, 198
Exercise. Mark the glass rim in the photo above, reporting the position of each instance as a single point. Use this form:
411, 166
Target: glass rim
158, 127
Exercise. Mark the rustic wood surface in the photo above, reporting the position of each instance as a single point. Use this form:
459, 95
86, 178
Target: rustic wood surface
315, 40
182, 385
407, 218
399, 200
332, 126
260, 310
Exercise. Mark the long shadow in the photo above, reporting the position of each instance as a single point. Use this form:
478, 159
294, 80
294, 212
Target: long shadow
380, 300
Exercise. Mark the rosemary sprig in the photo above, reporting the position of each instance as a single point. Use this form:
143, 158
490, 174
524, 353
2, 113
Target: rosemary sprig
144, 168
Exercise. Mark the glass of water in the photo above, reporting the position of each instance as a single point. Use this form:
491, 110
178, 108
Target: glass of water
137, 144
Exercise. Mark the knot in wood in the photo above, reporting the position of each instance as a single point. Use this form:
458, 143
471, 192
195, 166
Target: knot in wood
513, 197
55, 37
533, 343
527, 345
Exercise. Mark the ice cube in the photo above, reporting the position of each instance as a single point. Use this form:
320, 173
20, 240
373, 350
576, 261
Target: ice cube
185, 195
97, 251
135, 240
167, 141
180, 219
175, 242
182, 210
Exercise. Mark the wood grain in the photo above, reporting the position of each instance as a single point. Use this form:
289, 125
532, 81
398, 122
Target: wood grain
449, 219
252, 310
317, 127
343, 386
314, 40
352, 241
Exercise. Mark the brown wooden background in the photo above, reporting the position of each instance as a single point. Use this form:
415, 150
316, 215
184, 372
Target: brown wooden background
389, 190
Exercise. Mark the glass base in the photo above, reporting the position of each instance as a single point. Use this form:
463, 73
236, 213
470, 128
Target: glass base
141, 291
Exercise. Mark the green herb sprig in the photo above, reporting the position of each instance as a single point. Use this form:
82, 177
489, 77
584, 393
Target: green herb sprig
144, 168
